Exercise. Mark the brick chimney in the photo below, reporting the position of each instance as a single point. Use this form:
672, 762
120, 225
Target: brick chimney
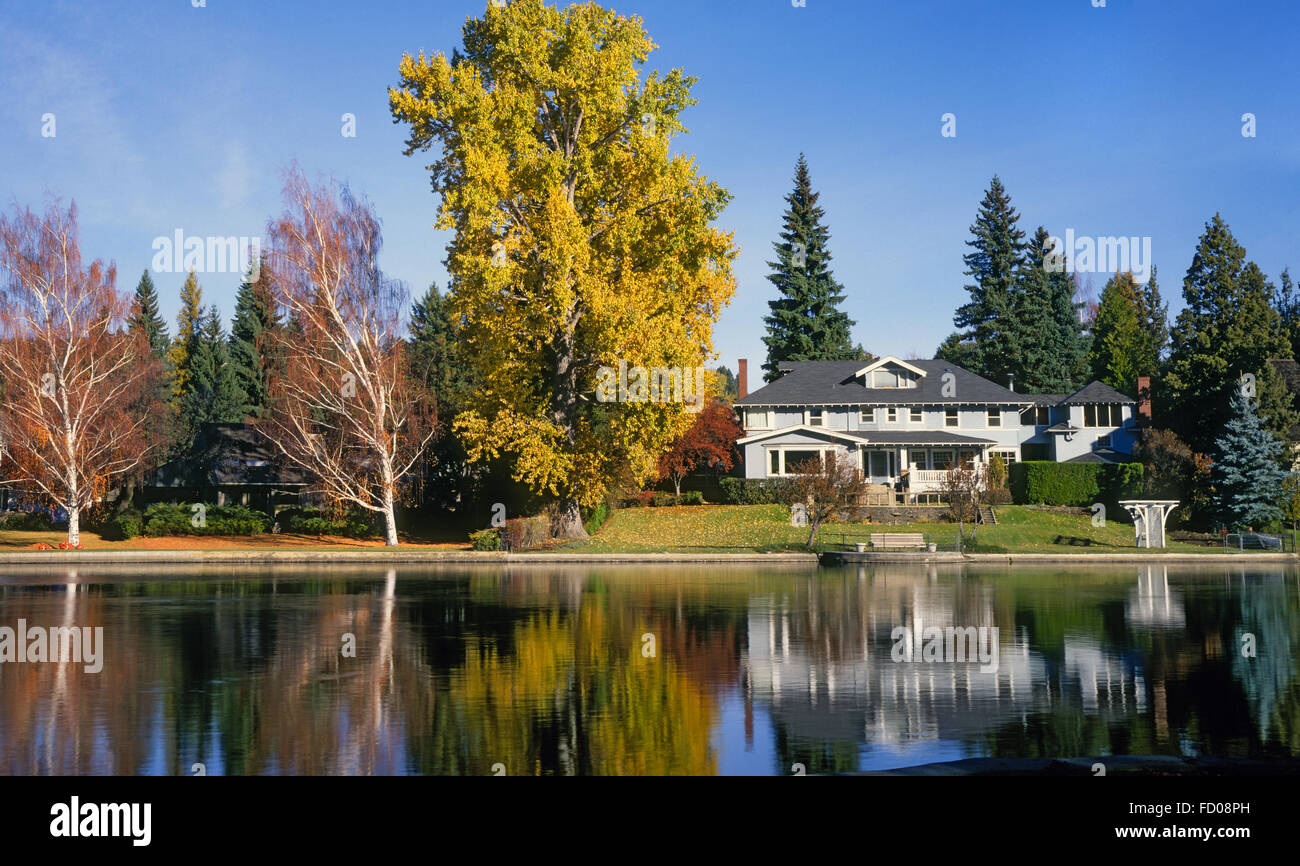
742, 379
1144, 401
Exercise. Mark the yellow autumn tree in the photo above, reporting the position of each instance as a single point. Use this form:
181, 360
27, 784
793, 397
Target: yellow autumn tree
580, 238
186, 326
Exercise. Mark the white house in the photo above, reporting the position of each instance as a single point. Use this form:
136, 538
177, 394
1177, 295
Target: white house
910, 421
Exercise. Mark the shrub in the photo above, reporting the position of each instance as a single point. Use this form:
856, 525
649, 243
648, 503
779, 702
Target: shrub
165, 519
522, 533
692, 497
1037, 482
596, 518
124, 526
754, 491
26, 521
663, 499
314, 521
485, 539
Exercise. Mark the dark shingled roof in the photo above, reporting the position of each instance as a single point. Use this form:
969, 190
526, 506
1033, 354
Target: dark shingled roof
831, 383
1102, 455
229, 455
1046, 399
1097, 392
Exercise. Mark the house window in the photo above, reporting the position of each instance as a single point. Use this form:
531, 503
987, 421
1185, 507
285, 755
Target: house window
758, 419
915, 415
816, 418
942, 459
1036, 416
995, 418
866, 416
951, 418
774, 463
1103, 415
892, 415
1103, 441
1008, 457
919, 458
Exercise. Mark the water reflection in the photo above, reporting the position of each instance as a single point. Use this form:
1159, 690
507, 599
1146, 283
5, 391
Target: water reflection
548, 671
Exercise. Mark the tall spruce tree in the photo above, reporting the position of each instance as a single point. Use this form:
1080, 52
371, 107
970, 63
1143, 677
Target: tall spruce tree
1153, 320
1052, 347
146, 318
806, 322
187, 327
1247, 477
1227, 328
995, 264
1119, 352
254, 317
211, 395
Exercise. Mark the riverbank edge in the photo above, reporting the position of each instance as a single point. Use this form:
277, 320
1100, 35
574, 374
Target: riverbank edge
457, 557
1110, 765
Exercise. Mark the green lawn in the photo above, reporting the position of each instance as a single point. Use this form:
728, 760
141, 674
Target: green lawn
749, 528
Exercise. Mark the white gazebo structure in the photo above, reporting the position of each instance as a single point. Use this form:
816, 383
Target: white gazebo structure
1149, 516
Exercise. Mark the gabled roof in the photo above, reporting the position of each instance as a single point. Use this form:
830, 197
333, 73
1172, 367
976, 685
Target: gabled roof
1102, 455
226, 455
886, 361
798, 428
835, 383
874, 437
1096, 392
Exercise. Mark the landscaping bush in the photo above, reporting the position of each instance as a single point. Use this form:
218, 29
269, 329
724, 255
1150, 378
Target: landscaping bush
485, 539
165, 519
1037, 482
661, 500
753, 491
124, 526
314, 521
26, 521
522, 533
596, 518
692, 497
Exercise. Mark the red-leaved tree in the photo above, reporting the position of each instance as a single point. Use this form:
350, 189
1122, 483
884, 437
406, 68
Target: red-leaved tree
69, 371
709, 442
343, 407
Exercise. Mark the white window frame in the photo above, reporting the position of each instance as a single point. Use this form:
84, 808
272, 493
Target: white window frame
767, 416
946, 419
916, 415
867, 415
820, 420
891, 415
989, 417
781, 450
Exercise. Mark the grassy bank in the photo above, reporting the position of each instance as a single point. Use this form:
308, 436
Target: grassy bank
748, 528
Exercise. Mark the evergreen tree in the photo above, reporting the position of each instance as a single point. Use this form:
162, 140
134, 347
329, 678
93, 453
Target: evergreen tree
1052, 348
1153, 319
1246, 474
1118, 342
146, 318
955, 349
995, 265
1228, 328
187, 327
254, 316
806, 323
211, 394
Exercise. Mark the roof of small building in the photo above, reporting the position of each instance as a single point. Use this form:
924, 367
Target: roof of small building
1102, 455
229, 455
1097, 392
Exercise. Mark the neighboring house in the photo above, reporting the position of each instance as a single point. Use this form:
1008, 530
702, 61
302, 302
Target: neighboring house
908, 422
229, 464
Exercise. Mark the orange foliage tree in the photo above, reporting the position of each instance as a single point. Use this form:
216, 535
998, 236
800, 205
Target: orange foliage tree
71, 373
343, 407
710, 441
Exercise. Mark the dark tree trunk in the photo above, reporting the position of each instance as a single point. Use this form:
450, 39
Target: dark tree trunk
567, 520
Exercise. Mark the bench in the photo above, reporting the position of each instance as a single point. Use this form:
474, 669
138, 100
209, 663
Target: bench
897, 540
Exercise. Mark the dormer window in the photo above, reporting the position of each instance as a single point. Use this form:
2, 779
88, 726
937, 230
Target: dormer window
890, 373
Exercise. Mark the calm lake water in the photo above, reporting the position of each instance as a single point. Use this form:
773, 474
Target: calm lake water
644, 670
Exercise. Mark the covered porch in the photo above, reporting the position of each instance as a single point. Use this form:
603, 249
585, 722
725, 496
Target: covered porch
914, 464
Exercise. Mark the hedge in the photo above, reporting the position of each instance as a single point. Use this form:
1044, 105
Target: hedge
753, 491
1043, 482
314, 521
172, 519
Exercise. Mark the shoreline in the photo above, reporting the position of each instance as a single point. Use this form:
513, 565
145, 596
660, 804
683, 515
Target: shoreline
382, 556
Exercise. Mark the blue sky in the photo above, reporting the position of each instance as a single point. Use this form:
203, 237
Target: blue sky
1122, 120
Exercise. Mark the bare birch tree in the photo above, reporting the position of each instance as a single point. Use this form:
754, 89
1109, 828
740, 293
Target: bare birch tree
71, 372
343, 407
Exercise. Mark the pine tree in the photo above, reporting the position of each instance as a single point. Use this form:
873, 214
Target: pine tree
1118, 343
995, 264
806, 323
145, 316
1246, 474
1228, 328
1052, 350
254, 316
211, 394
1153, 320
187, 327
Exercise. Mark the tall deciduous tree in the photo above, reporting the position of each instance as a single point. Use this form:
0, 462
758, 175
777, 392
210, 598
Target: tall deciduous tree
994, 264
70, 368
344, 409
806, 322
187, 328
1247, 477
1228, 328
580, 238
